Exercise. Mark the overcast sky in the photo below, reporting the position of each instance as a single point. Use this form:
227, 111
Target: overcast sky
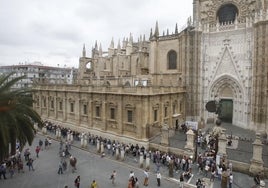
53, 31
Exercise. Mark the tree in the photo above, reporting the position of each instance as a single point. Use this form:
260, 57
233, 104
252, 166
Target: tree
17, 117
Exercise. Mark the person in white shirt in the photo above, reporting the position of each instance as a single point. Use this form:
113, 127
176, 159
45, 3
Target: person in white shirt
158, 178
231, 178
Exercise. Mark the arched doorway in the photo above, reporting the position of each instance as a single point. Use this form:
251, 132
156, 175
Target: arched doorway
226, 110
229, 93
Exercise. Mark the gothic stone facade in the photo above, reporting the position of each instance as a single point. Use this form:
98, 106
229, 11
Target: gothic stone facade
129, 91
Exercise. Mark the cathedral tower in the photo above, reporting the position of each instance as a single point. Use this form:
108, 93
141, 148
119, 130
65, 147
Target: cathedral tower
233, 47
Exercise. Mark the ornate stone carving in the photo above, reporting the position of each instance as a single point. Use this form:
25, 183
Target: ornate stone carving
209, 8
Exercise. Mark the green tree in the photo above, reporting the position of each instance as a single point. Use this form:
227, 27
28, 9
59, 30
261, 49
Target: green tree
17, 117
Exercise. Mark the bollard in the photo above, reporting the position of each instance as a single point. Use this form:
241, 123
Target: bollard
116, 153
141, 160
122, 154
147, 162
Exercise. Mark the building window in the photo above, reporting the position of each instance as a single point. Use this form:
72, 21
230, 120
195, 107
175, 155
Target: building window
174, 108
166, 111
37, 101
227, 13
52, 104
84, 109
129, 116
45, 102
72, 107
155, 115
60, 105
172, 60
97, 111
112, 113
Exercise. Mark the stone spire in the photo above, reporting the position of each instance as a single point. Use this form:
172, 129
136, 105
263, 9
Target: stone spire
84, 51
156, 31
96, 45
100, 50
176, 29
144, 38
111, 49
124, 43
118, 46
167, 32
112, 44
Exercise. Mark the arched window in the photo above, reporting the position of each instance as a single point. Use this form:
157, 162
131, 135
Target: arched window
172, 60
227, 13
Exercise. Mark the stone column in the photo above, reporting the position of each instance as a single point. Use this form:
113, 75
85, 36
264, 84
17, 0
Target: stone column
101, 147
122, 154
68, 135
71, 137
224, 179
117, 153
171, 168
82, 140
85, 140
256, 163
222, 143
44, 130
147, 165
164, 135
189, 148
141, 160
98, 146
58, 133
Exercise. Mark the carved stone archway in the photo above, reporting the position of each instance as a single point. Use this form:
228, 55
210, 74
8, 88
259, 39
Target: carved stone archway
227, 87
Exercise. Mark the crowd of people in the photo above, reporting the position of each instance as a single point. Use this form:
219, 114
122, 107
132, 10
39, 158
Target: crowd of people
181, 164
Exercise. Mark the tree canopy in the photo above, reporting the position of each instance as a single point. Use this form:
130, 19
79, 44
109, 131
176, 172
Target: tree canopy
17, 117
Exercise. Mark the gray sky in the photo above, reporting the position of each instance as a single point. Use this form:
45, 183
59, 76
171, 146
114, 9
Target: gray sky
54, 31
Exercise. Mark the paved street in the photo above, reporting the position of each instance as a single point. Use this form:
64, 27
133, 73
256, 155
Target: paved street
89, 167
92, 166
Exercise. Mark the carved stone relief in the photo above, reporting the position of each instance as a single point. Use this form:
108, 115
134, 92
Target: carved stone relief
209, 8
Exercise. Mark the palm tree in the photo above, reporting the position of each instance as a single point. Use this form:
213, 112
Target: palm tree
17, 116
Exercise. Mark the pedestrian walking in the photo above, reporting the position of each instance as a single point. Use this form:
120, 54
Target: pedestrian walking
30, 164
181, 180
60, 170
231, 178
146, 178
113, 175
41, 144
3, 171
77, 182
94, 184
158, 178
137, 184
37, 150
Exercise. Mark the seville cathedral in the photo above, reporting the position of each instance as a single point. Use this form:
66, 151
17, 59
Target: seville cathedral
131, 90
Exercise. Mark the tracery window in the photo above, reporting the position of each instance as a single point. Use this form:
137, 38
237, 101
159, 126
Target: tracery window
227, 13
172, 59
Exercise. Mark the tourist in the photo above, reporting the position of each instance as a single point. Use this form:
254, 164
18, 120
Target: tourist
181, 180
94, 184
137, 184
146, 178
113, 177
231, 178
37, 150
77, 182
30, 164
158, 178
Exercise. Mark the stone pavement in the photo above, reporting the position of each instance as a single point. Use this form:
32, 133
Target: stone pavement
92, 166
240, 180
89, 166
